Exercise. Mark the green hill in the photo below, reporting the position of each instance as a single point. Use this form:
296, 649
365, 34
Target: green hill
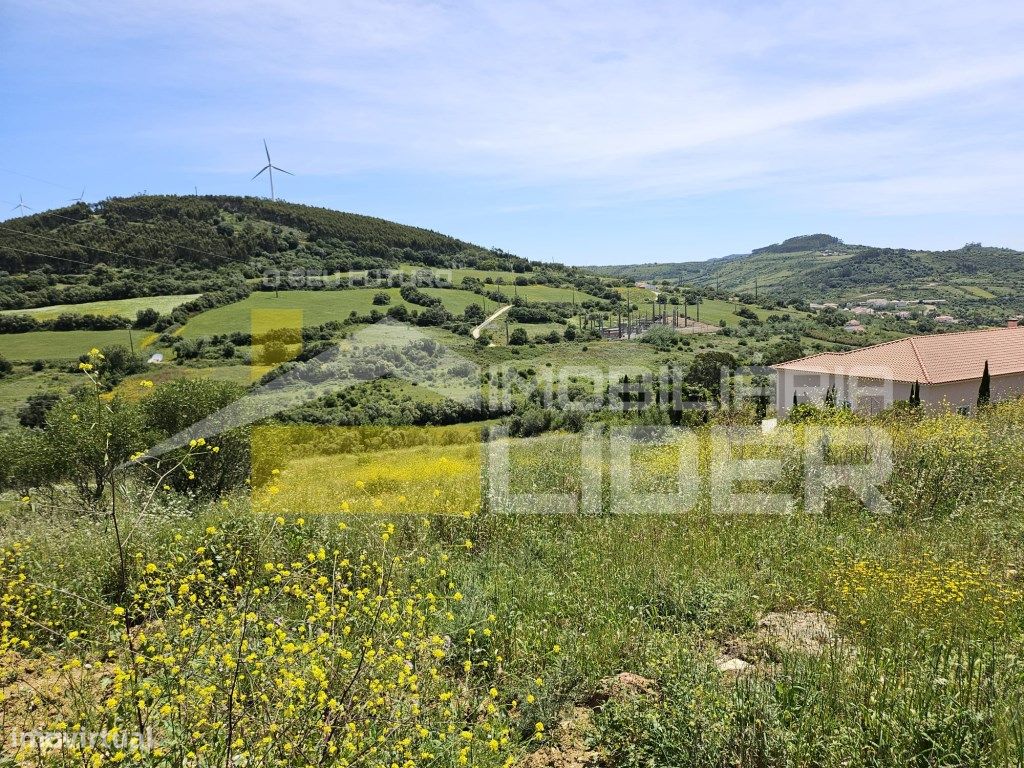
823, 267
162, 245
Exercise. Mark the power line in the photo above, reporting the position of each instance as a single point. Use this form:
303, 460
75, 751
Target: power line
47, 255
33, 178
155, 241
79, 245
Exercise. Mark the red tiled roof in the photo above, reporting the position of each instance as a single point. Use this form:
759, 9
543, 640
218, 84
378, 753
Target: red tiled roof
932, 359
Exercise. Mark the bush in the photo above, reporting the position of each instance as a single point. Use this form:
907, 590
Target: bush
146, 318
36, 408
519, 337
174, 408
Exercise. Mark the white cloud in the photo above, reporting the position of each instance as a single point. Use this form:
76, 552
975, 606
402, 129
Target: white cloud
855, 105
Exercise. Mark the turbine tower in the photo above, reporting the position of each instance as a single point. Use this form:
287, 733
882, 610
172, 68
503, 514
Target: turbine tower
21, 207
270, 168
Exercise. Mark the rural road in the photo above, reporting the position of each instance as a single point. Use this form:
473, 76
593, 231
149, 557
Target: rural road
475, 333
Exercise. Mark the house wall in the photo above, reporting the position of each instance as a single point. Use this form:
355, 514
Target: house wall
964, 394
811, 388
865, 394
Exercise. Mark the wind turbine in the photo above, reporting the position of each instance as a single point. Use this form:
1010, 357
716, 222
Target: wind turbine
79, 199
270, 168
21, 205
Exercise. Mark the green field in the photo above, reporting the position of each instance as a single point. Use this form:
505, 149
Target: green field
162, 374
978, 292
634, 294
125, 307
714, 310
16, 389
60, 345
317, 307
548, 293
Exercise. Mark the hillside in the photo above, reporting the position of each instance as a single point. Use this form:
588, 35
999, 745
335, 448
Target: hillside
823, 267
159, 244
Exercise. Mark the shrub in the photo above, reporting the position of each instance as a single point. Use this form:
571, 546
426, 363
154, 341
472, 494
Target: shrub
519, 337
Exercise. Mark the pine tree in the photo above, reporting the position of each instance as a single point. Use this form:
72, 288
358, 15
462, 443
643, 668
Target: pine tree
985, 390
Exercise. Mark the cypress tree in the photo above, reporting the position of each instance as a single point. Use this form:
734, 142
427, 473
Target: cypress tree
985, 390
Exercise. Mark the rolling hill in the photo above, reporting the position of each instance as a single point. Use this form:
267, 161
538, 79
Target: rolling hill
823, 267
156, 245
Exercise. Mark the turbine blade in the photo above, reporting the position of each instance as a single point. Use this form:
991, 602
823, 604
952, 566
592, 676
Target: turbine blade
261, 171
282, 170
265, 149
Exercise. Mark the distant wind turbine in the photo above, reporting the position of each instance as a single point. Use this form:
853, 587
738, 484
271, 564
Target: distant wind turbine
270, 168
79, 199
21, 205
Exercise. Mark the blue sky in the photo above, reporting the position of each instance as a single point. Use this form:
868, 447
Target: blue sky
582, 132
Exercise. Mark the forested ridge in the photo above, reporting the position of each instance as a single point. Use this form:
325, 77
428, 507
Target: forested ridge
161, 244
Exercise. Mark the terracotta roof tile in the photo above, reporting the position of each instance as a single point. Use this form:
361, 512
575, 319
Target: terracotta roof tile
929, 359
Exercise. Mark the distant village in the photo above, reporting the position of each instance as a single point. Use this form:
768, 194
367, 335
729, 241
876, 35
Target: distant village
903, 309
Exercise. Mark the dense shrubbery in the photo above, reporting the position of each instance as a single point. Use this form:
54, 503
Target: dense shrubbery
81, 440
66, 321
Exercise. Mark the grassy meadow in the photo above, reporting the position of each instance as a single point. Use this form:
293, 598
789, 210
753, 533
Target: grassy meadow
128, 308
372, 600
62, 345
317, 307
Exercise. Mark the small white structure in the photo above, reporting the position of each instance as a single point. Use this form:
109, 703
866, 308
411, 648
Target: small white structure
156, 358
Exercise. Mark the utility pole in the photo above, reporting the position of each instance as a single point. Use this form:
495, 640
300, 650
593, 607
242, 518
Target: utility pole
629, 312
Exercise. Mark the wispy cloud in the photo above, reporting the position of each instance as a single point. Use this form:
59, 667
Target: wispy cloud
849, 106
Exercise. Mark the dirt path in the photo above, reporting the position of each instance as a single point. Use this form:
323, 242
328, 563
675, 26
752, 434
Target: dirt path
475, 333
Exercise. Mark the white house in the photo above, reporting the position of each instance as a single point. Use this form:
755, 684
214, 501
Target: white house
947, 366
